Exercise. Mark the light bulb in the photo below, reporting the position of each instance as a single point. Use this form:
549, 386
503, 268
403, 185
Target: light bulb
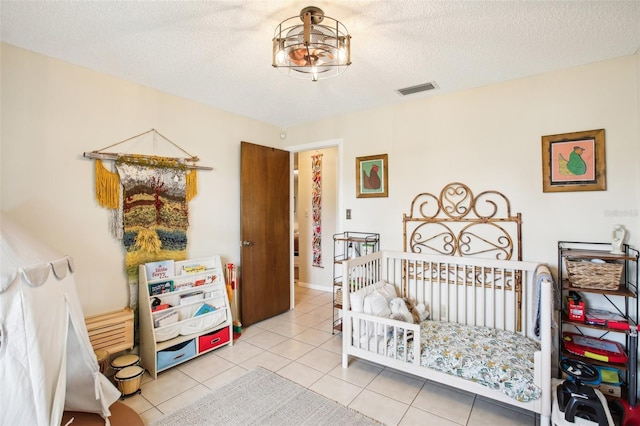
280, 56
342, 54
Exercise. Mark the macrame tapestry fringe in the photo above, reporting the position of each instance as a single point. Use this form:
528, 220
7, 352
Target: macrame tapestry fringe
107, 187
192, 184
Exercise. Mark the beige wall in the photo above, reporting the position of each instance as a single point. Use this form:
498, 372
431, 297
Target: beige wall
52, 112
488, 137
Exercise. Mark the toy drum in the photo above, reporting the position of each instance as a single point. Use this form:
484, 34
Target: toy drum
103, 360
125, 361
129, 379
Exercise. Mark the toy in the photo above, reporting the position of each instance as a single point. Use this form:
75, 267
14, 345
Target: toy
404, 309
399, 310
575, 306
415, 315
418, 312
422, 312
575, 403
594, 348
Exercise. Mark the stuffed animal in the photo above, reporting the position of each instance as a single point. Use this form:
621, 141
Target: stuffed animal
422, 312
399, 310
415, 315
418, 312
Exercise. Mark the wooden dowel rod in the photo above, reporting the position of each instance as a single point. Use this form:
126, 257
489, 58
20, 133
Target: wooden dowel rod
113, 157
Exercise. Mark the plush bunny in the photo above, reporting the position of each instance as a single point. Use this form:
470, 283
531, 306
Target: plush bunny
399, 310
422, 312
415, 315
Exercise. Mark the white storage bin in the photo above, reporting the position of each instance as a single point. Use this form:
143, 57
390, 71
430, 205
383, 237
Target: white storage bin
168, 332
203, 322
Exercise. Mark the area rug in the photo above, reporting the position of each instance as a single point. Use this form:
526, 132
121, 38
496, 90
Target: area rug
262, 397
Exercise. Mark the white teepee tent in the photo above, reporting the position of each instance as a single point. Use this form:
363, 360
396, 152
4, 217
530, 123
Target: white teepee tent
47, 364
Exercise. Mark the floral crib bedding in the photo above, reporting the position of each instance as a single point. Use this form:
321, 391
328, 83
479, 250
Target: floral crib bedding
501, 360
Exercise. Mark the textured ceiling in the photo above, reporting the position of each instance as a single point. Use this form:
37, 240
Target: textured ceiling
219, 52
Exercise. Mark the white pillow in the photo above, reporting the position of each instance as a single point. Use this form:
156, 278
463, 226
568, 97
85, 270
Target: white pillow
388, 291
356, 298
376, 304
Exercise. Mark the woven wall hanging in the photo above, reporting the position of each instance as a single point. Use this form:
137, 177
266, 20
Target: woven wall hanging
148, 197
316, 209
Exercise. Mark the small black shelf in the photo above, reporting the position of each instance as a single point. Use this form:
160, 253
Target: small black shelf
622, 300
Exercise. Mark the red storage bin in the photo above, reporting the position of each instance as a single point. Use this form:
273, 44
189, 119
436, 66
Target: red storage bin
213, 340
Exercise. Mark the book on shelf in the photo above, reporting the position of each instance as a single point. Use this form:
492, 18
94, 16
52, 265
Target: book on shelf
160, 287
603, 317
192, 269
166, 319
204, 309
188, 267
159, 270
191, 297
181, 284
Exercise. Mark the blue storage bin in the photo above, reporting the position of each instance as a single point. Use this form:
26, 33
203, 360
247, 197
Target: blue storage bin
176, 354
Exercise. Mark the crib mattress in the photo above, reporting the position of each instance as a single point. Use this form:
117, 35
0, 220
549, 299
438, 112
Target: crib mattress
500, 360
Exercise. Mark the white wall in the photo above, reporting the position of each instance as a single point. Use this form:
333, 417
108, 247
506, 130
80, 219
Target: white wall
490, 138
52, 112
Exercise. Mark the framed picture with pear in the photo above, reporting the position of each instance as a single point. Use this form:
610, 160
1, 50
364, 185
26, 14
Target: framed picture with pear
574, 162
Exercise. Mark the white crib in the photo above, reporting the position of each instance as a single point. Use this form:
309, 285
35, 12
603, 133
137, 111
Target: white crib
500, 297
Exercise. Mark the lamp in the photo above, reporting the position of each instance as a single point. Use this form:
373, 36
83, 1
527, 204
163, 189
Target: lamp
319, 48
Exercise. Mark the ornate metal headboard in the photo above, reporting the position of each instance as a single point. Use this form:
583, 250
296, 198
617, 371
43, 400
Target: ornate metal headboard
458, 223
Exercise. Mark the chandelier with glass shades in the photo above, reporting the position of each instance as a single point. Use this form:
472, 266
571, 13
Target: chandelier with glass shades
317, 49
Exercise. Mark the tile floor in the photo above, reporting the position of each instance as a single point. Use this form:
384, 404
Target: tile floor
299, 346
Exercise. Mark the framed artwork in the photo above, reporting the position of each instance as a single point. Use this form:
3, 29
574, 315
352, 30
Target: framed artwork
574, 162
372, 176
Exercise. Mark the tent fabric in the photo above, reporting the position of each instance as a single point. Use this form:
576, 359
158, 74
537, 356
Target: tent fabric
47, 363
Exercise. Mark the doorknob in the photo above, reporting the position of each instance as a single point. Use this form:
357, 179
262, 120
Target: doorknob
246, 243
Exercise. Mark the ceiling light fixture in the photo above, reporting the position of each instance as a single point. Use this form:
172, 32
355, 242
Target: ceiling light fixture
320, 48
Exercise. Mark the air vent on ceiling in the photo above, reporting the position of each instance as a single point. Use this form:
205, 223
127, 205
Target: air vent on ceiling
416, 89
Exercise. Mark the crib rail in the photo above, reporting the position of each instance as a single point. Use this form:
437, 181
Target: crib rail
381, 335
477, 292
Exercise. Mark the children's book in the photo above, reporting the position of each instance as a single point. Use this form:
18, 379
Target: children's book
167, 319
160, 288
204, 309
160, 270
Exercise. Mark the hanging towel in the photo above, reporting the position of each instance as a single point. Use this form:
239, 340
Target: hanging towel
542, 274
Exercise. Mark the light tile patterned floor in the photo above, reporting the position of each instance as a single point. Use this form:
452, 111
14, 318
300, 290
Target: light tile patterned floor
299, 345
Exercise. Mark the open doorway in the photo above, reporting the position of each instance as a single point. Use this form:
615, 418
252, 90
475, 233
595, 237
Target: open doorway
305, 273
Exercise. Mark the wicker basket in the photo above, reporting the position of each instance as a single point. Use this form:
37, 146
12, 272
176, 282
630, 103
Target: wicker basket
601, 276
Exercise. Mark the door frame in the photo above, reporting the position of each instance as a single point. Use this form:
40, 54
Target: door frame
330, 143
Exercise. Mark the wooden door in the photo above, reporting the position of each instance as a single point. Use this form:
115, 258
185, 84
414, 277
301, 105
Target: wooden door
264, 232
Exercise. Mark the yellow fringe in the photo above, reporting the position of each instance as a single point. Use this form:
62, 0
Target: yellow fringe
192, 184
107, 187
148, 240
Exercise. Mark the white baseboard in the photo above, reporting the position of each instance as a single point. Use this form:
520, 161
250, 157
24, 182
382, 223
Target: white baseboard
314, 286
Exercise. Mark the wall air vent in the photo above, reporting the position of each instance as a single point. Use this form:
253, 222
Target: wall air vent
416, 89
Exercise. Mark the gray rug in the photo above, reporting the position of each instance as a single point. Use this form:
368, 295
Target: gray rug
262, 397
